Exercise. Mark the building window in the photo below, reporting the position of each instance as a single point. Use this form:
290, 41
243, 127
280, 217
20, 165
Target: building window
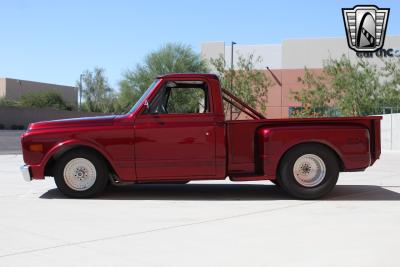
294, 110
325, 112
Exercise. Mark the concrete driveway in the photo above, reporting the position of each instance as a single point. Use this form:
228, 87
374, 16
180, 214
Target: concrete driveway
202, 224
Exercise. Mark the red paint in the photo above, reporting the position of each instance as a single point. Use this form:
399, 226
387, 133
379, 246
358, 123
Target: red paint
145, 147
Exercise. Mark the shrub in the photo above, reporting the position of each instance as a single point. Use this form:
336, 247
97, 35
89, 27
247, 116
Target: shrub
4, 102
44, 99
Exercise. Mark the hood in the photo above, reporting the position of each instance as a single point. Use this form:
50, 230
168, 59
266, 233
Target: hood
74, 122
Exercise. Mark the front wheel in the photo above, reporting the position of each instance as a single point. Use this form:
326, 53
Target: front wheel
308, 171
81, 174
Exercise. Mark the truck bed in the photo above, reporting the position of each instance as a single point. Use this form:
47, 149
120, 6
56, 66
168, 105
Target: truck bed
242, 137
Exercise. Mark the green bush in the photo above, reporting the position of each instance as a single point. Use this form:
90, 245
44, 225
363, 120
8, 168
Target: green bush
4, 102
44, 99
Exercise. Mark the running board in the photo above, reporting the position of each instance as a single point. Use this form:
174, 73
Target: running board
244, 178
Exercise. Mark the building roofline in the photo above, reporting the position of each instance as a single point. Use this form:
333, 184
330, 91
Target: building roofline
8, 78
294, 39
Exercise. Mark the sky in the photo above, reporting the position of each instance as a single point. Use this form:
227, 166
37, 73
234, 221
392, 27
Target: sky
55, 41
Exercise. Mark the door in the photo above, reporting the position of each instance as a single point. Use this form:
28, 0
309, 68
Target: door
175, 136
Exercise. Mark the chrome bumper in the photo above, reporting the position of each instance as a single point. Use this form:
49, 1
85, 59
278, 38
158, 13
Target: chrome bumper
25, 173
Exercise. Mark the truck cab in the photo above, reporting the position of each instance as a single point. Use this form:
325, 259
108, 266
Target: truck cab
180, 130
177, 132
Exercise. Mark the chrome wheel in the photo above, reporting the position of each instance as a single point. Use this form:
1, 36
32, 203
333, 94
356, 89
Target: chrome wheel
309, 170
80, 174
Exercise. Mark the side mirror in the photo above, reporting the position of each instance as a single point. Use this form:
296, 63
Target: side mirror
146, 106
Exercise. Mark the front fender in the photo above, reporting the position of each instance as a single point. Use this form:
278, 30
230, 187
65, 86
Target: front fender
60, 147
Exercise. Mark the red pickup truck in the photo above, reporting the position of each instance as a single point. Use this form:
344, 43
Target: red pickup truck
177, 132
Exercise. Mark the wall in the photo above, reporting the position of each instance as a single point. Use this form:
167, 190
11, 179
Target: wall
212, 50
390, 131
298, 53
287, 62
293, 53
15, 88
271, 55
279, 95
2, 87
23, 116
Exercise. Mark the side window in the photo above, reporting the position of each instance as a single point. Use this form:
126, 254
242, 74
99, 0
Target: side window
187, 100
181, 97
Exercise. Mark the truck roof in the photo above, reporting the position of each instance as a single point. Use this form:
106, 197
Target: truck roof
189, 75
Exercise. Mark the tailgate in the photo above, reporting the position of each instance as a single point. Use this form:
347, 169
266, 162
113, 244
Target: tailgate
375, 138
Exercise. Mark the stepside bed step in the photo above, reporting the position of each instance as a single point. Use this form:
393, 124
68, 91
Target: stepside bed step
248, 177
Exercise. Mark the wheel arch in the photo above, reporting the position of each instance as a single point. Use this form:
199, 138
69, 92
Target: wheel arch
328, 147
63, 149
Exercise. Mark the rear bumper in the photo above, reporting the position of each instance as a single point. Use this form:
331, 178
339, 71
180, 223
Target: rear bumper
26, 174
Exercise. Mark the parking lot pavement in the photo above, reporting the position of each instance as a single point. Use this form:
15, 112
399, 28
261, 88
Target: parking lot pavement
202, 224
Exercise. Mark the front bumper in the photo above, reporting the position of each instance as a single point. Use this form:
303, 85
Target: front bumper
26, 174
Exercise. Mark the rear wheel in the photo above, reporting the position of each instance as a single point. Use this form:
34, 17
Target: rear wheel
308, 171
81, 174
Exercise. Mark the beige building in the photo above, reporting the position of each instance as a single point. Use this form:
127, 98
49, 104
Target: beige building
13, 89
286, 62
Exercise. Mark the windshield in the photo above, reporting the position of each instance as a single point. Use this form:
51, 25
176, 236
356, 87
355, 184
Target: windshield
143, 97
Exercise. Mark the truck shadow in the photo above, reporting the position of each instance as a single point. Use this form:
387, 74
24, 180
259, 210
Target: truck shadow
232, 192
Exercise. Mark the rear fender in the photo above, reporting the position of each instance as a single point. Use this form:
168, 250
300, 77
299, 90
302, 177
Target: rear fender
350, 143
